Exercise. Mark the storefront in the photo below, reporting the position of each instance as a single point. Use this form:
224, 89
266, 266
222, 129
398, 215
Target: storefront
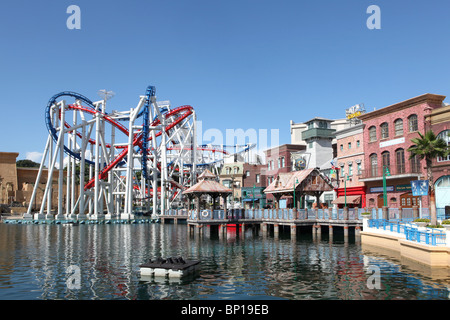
356, 197
398, 195
253, 197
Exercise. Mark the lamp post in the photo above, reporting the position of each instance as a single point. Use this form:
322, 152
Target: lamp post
295, 203
386, 173
345, 190
253, 205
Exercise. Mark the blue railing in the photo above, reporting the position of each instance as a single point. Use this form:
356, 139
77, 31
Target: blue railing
428, 236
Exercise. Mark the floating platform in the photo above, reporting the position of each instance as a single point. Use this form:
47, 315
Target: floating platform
170, 267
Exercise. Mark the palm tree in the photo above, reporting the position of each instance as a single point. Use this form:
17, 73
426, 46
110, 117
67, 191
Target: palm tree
429, 147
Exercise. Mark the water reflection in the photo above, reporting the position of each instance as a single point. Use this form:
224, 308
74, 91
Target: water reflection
34, 260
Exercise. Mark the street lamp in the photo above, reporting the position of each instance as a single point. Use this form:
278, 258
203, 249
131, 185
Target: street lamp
386, 173
295, 203
253, 205
346, 178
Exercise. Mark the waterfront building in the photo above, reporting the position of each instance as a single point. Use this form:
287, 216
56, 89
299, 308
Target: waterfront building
253, 185
387, 136
350, 163
438, 120
278, 161
231, 176
307, 182
320, 153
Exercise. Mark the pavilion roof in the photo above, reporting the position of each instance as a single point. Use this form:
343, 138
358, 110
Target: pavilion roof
285, 181
207, 184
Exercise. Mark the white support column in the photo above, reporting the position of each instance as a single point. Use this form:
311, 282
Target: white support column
95, 214
60, 214
28, 214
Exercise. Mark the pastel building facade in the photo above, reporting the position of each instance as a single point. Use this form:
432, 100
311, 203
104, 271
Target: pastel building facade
350, 162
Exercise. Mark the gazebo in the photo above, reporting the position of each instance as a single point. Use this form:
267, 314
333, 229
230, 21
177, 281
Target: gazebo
303, 182
207, 185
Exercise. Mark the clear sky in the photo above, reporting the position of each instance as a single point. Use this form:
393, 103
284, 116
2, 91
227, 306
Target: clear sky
241, 64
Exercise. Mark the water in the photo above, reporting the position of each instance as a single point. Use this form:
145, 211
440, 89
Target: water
34, 260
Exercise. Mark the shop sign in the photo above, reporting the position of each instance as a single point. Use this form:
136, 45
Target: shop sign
380, 189
403, 187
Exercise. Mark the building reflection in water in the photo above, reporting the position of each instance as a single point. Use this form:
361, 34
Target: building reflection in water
34, 260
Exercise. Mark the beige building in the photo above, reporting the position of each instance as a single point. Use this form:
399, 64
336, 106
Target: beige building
16, 184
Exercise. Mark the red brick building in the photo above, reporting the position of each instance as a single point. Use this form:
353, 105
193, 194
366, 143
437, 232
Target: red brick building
278, 160
387, 136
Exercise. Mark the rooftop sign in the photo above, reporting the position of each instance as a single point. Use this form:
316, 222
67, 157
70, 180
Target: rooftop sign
355, 111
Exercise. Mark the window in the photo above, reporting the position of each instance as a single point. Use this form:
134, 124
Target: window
398, 124
247, 173
350, 169
373, 165
415, 163
386, 160
228, 170
444, 136
372, 134
342, 147
358, 167
357, 143
384, 130
236, 170
323, 124
283, 163
349, 145
257, 178
400, 160
412, 123
279, 163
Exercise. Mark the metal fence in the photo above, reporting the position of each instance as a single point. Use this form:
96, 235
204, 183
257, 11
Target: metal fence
428, 236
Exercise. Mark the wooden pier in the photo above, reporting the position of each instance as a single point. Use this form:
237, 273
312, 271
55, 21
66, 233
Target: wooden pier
269, 221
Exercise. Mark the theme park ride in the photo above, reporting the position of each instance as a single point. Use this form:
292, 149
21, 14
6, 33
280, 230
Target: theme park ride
119, 164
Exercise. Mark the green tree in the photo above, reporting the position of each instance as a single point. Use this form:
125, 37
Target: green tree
429, 147
27, 164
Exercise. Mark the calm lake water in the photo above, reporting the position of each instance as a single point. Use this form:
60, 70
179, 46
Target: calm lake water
34, 260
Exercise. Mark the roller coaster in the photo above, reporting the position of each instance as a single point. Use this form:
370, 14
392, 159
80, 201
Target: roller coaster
120, 164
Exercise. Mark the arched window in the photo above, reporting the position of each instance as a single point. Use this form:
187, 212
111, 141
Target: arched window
444, 136
386, 160
398, 124
384, 130
400, 161
443, 182
373, 165
412, 123
414, 163
372, 134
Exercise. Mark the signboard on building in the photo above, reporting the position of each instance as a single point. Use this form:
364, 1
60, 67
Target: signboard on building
392, 142
403, 187
300, 164
419, 187
380, 189
355, 111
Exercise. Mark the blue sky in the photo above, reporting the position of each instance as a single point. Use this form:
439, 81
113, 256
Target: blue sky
241, 64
